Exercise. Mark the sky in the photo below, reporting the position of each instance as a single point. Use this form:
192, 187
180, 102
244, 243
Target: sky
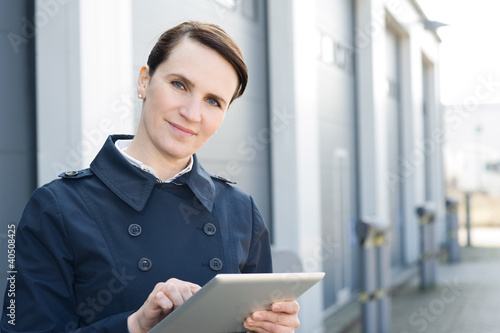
470, 49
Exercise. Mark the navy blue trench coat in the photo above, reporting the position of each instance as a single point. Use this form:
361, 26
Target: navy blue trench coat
91, 246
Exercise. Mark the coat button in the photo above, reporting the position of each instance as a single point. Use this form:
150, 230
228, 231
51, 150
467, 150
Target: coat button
134, 230
71, 173
216, 264
145, 264
209, 229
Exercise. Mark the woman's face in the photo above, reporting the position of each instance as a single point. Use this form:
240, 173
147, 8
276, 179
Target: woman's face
186, 99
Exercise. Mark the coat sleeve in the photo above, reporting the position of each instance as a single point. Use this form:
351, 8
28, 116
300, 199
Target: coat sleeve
44, 298
259, 257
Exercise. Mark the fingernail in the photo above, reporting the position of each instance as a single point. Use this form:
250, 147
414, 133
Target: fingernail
257, 316
250, 322
276, 307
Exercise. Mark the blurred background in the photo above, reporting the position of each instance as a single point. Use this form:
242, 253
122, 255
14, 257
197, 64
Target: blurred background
357, 111
470, 97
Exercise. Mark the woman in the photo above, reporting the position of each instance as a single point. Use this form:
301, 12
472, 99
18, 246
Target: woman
118, 246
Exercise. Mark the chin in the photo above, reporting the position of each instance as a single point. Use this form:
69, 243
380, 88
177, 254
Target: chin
178, 155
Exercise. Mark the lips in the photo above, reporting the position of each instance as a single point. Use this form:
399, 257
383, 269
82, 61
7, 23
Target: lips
183, 131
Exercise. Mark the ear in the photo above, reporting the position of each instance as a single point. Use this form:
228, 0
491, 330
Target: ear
143, 81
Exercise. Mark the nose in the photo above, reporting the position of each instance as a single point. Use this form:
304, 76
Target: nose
191, 110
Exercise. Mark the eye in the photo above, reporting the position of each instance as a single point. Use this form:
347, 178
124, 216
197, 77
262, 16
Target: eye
213, 102
178, 85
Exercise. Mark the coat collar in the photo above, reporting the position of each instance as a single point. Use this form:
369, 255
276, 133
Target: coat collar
134, 186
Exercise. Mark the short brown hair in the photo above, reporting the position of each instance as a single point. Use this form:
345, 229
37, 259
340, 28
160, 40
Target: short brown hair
207, 34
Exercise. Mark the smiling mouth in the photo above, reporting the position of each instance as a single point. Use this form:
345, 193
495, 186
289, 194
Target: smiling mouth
183, 131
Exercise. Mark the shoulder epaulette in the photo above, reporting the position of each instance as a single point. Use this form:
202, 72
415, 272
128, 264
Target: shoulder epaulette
225, 180
76, 174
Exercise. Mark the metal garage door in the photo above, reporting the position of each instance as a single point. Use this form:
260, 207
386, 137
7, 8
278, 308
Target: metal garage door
337, 133
394, 142
240, 150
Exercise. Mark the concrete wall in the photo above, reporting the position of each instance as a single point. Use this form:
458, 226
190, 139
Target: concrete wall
17, 119
85, 86
405, 19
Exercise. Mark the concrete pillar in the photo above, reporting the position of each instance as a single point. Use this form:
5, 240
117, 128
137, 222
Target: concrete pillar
295, 147
371, 97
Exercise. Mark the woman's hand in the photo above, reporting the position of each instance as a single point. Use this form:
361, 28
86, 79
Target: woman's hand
165, 298
282, 318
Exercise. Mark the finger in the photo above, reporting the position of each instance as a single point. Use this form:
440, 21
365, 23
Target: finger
278, 318
268, 319
185, 291
173, 293
267, 327
163, 302
192, 286
291, 307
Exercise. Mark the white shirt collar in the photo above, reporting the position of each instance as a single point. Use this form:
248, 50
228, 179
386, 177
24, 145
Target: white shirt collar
122, 145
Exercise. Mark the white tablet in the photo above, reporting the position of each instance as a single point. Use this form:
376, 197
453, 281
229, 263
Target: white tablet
224, 302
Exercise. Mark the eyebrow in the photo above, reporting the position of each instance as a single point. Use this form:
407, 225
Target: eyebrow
185, 79
192, 85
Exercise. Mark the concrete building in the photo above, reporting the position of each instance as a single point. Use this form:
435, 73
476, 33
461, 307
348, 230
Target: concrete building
340, 120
